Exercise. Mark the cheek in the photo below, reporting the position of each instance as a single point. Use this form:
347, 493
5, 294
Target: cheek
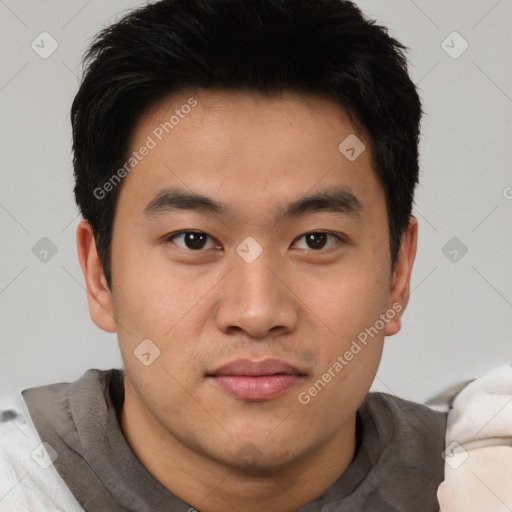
166, 304
347, 300
349, 306
151, 295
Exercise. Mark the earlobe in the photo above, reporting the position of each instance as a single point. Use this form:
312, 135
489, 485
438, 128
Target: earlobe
400, 284
99, 297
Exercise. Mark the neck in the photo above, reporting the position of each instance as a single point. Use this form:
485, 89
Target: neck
211, 486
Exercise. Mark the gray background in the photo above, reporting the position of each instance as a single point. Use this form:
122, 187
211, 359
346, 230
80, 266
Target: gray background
458, 323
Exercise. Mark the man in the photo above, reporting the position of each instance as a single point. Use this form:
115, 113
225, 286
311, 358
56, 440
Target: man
246, 172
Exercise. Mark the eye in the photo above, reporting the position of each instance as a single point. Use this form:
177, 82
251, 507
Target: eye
197, 240
191, 240
317, 240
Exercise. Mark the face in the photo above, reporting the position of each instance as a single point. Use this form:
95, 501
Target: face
267, 300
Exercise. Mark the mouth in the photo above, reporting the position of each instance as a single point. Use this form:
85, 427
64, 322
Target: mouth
256, 381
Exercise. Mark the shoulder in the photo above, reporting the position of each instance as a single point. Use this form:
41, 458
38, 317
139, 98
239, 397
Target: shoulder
28, 479
412, 434
404, 414
52, 407
401, 445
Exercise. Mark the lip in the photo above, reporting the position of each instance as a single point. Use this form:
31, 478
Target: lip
256, 380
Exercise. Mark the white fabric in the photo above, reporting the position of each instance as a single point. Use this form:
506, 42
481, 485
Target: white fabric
28, 479
478, 460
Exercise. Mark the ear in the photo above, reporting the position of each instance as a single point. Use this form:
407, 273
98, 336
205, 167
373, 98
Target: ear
99, 297
401, 281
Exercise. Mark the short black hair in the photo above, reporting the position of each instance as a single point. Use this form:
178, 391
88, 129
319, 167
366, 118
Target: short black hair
325, 48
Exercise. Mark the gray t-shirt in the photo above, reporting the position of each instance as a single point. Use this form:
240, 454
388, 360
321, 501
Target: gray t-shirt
397, 465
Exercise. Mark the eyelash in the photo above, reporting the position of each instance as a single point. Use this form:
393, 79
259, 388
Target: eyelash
340, 239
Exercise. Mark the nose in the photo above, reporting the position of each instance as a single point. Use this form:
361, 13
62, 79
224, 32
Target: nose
257, 300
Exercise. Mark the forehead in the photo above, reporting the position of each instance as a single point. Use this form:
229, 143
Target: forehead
247, 149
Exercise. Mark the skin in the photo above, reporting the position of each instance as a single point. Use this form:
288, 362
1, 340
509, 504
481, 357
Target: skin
203, 309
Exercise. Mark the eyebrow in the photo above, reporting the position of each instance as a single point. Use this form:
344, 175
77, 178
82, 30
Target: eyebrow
339, 200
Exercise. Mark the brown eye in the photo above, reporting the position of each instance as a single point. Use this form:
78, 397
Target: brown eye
192, 240
318, 240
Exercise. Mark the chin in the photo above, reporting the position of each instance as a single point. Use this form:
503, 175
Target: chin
259, 464
257, 456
